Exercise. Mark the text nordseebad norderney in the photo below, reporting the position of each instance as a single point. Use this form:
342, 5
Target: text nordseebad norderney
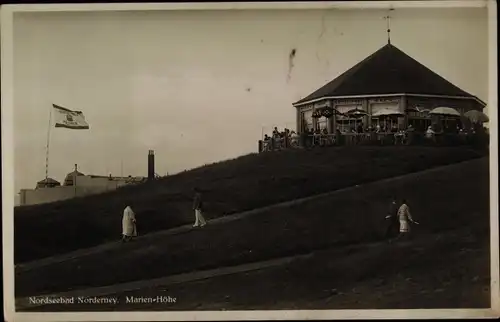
44, 300
48, 300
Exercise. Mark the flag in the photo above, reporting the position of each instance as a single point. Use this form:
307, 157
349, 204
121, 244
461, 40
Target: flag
69, 119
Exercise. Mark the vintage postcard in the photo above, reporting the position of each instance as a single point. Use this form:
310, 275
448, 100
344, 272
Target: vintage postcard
247, 161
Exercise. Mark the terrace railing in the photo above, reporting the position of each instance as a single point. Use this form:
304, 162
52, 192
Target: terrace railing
480, 140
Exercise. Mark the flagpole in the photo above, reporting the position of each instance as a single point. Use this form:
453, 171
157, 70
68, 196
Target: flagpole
47, 148
74, 177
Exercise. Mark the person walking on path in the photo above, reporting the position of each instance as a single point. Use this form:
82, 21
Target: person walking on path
405, 218
198, 209
129, 228
392, 218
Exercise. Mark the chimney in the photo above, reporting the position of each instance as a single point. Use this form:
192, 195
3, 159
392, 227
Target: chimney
151, 165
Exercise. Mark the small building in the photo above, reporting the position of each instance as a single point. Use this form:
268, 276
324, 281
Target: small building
387, 79
76, 184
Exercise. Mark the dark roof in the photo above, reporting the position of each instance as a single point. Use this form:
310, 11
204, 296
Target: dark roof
388, 71
48, 181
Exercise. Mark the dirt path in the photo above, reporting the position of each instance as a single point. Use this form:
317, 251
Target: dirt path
187, 228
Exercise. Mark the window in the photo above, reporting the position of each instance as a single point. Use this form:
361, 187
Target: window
347, 108
375, 107
385, 121
321, 123
307, 120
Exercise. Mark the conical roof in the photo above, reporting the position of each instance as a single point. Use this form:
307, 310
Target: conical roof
388, 71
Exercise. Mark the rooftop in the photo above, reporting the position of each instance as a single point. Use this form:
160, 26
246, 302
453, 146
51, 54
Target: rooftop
389, 70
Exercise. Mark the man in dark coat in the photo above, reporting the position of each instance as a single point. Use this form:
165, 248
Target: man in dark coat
198, 209
392, 220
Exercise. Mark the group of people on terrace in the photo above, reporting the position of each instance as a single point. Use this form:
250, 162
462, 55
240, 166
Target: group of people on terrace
280, 139
380, 133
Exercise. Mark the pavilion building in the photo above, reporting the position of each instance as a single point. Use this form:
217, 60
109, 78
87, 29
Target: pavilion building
387, 79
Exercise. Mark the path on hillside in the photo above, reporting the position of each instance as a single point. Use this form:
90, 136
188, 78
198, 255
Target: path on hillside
356, 253
227, 218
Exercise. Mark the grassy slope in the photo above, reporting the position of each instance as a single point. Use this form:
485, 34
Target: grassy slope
451, 272
441, 271
245, 183
442, 201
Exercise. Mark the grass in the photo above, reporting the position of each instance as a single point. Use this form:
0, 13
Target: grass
229, 187
442, 271
429, 273
443, 200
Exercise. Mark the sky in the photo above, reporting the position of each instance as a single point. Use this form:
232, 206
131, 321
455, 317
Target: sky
201, 86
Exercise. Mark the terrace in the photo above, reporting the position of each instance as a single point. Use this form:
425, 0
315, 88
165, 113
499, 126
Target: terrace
439, 127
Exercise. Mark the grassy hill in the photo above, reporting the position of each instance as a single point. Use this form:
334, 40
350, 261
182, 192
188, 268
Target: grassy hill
232, 186
449, 270
444, 200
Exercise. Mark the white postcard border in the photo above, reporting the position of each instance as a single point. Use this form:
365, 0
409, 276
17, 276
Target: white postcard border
7, 57
493, 114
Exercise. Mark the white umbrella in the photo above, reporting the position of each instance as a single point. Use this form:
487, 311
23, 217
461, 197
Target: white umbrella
387, 112
477, 116
445, 111
356, 113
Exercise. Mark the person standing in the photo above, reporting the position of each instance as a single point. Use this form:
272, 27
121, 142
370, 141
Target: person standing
430, 135
405, 219
392, 218
129, 228
198, 209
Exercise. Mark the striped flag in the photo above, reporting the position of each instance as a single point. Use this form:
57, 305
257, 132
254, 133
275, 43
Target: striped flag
69, 119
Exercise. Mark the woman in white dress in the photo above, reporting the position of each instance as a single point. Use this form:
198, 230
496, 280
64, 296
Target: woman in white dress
129, 228
405, 218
